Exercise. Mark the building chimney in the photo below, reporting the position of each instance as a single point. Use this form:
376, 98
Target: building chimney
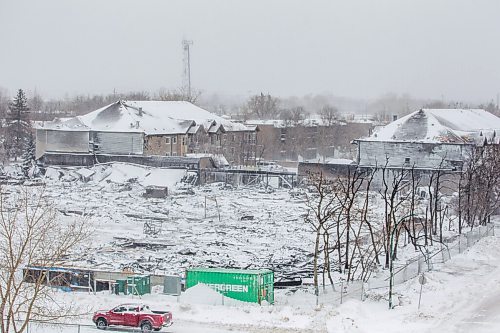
140, 112
137, 124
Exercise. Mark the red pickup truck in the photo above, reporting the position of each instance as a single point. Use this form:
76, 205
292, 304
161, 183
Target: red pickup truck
133, 315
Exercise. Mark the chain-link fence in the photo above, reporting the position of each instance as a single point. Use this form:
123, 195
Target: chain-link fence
411, 269
426, 261
41, 327
341, 291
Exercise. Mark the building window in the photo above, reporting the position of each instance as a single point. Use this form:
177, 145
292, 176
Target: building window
167, 140
407, 160
234, 138
167, 154
283, 134
174, 153
183, 141
174, 140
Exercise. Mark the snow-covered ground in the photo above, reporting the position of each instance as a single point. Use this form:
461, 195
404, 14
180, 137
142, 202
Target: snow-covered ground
462, 295
212, 225
258, 228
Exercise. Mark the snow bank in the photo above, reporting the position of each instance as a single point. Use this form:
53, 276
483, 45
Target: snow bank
203, 294
119, 173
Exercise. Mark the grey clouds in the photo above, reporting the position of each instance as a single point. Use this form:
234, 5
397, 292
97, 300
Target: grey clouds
440, 48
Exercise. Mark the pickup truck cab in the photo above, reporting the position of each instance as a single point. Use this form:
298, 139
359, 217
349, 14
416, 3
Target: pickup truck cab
133, 315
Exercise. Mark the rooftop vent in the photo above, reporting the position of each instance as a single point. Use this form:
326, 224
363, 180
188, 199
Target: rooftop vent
140, 112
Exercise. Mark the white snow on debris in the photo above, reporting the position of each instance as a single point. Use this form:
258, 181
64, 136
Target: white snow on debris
439, 125
338, 161
119, 173
163, 177
459, 296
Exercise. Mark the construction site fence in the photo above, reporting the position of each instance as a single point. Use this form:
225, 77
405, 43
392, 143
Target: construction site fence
43, 327
338, 293
410, 269
425, 262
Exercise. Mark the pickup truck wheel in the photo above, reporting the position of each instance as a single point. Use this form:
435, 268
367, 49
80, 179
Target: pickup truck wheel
101, 323
146, 326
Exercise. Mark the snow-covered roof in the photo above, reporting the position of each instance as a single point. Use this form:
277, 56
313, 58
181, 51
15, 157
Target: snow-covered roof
67, 124
149, 117
279, 123
338, 161
440, 126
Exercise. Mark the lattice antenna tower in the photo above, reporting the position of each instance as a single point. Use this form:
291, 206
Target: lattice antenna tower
187, 65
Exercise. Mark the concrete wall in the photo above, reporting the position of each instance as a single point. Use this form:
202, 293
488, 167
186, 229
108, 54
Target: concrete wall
328, 170
190, 163
61, 141
118, 143
419, 155
448, 179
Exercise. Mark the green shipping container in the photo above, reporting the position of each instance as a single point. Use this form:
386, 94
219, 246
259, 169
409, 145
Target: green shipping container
138, 285
245, 285
122, 286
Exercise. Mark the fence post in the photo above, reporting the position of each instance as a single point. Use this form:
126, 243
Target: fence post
78, 328
362, 290
341, 290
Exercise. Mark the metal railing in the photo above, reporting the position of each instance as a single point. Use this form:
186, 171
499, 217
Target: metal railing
43, 327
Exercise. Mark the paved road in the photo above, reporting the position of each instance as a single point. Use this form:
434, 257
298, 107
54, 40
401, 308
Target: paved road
178, 327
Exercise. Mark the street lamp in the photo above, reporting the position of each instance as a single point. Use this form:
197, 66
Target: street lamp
391, 256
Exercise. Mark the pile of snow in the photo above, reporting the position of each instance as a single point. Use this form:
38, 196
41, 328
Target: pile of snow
339, 161
119, 173
203, 294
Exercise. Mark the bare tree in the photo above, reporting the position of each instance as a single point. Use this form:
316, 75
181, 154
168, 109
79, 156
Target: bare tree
321, 207
32, 234
479, 186
263, 106
329, 115
179, 95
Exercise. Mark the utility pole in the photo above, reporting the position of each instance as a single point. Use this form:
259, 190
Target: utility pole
187, 65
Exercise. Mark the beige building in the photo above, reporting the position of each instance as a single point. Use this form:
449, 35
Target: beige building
148, 128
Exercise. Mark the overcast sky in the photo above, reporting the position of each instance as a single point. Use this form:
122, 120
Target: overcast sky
434, 48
